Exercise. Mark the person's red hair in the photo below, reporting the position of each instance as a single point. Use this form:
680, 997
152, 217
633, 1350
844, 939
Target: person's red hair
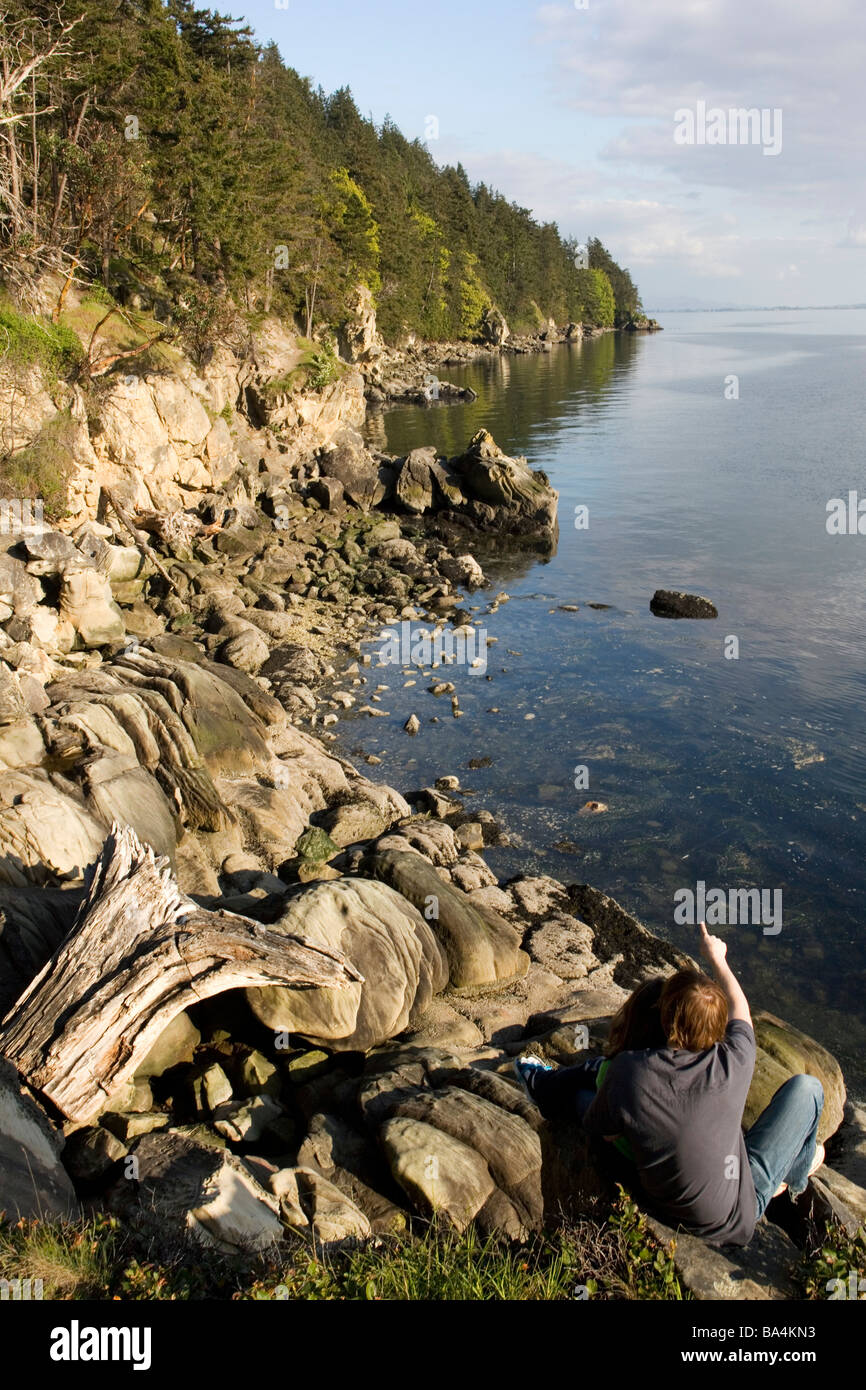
693, 1011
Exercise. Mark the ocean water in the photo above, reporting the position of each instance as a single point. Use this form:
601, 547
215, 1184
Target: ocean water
741, 771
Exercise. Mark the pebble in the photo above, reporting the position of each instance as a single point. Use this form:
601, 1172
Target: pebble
413, 724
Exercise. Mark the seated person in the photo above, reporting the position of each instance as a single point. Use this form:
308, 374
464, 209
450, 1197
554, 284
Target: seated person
680, 1107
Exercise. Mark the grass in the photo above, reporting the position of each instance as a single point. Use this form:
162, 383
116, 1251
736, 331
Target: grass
42, 469
100, 1258
317, 367
27, 341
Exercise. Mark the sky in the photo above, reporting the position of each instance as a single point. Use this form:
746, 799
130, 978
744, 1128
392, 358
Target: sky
588, 112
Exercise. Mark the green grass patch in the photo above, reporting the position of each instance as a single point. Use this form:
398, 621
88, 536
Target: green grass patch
27, 341
591, 1258
42, 469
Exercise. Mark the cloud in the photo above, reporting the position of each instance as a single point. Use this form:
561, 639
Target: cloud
637, 63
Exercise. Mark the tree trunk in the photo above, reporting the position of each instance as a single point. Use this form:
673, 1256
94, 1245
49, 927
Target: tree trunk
139, 953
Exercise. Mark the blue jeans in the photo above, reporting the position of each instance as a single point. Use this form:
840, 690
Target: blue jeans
781, 1142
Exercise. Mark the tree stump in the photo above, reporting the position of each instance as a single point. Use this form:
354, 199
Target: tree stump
138, 954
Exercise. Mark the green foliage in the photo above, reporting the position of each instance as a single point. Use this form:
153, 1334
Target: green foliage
236, 177
27, 341
589, 1258
597, 301
651, 1272
41, 470
837, 1256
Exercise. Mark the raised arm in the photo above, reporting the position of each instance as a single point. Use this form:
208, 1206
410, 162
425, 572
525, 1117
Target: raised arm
715, 950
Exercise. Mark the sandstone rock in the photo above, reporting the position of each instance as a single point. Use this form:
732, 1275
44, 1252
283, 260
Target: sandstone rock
353, 821
463, 570
438, 1173
414, 485
762, 1271
352, 465
522, 499
175, 1044
783, 1051
308, 1199
185, 1186
119, 790
494, 328
248, 651
86, 602
44, 834
19, 590
481, 947
385, 938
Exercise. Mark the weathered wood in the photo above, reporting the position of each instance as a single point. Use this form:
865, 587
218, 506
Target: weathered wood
139, 953
107, 496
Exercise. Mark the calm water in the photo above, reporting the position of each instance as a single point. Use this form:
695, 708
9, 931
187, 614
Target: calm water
743, 772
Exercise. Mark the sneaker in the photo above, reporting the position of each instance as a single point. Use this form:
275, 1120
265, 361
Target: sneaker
526, 1069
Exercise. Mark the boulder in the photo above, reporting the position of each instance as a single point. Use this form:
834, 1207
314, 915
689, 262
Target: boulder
783, 1052
44, 833
86, 603
187, 1187
521, 498
414, 484
19, 591
673, 603
481, 947
385, 938
308, 1200
494, 328
247, 651
438, 1173
352, 465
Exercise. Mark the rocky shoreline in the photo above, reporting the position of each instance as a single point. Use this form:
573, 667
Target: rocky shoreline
175, 659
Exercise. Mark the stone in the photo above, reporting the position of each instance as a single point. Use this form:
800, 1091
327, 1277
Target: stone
86, 602
34, 1184
353, 821
44, 833
19, 591
516, 497
762, 1271
186, 1186
783, 1051
439, 1174
673, 603
414, 485
463, 570
308, 1199
248, 651
246, 1121
354, 467
175, 1044
216, 1086
385, 938
482, 948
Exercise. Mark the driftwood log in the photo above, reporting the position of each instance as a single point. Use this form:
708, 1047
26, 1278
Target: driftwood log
138, 954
